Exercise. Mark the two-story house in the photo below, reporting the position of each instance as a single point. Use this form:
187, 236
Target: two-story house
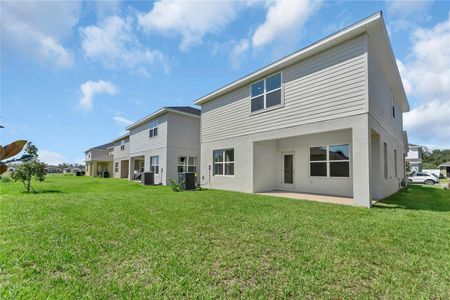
326, 120
414, 157
99, 159
121, 156
166, 143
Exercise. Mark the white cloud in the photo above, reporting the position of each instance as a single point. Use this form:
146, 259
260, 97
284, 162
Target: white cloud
404, 15
238, 52
284, 18
51, 158
407, 8
426, 77
107, 7
37, 29
114, 44
190, 19
121, 121
430, 122
90, 89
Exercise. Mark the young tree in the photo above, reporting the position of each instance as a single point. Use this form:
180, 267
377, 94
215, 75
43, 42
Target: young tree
29, 169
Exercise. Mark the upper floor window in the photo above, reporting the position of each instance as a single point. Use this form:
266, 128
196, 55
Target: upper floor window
266, 93
122, 144
153, 128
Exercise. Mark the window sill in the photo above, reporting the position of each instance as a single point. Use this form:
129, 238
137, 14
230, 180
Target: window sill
266, 109
325, 177
223, 175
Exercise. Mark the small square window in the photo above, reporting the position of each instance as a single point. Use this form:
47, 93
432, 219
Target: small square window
266, 93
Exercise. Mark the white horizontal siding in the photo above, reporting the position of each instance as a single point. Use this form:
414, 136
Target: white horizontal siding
99, 154
380, 101
183, 131
140, 140
326, 86
118, 153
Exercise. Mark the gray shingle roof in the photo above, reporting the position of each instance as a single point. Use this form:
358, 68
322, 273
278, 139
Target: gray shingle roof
185, 109
102, 147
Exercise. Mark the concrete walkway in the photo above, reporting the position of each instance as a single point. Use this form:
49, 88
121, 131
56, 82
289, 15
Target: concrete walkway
310, 197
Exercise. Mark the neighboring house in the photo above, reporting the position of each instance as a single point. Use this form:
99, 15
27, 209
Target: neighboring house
121, 156
53, 169
326, 119
99, 159
414, 158
445, 169
166, 143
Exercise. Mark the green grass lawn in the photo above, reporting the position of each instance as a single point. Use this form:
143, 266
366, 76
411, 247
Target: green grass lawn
109, 238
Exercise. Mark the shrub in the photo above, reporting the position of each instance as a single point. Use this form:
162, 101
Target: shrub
176, 186
6, 179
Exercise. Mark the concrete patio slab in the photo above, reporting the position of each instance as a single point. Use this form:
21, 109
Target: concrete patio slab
310, 197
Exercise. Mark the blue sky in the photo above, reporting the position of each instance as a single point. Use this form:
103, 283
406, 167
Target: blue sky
74, 74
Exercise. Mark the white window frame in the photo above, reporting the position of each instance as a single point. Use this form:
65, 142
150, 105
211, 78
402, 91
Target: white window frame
328, 161
186, 165
223, 163
265, 108
154, 165
153, 128
116, 167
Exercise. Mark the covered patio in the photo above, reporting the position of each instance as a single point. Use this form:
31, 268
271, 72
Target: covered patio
310, 197
96, 167
136, 166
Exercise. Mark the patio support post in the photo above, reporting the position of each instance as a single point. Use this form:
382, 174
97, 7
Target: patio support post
361, 140
131, 168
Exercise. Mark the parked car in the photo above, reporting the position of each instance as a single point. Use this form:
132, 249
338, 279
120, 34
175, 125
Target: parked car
421, 177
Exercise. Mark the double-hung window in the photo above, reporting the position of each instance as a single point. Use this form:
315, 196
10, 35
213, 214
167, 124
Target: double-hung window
266, 93
329, 161
116, 167
154, 164
153, 128
223, 162
187, 164
122, 145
